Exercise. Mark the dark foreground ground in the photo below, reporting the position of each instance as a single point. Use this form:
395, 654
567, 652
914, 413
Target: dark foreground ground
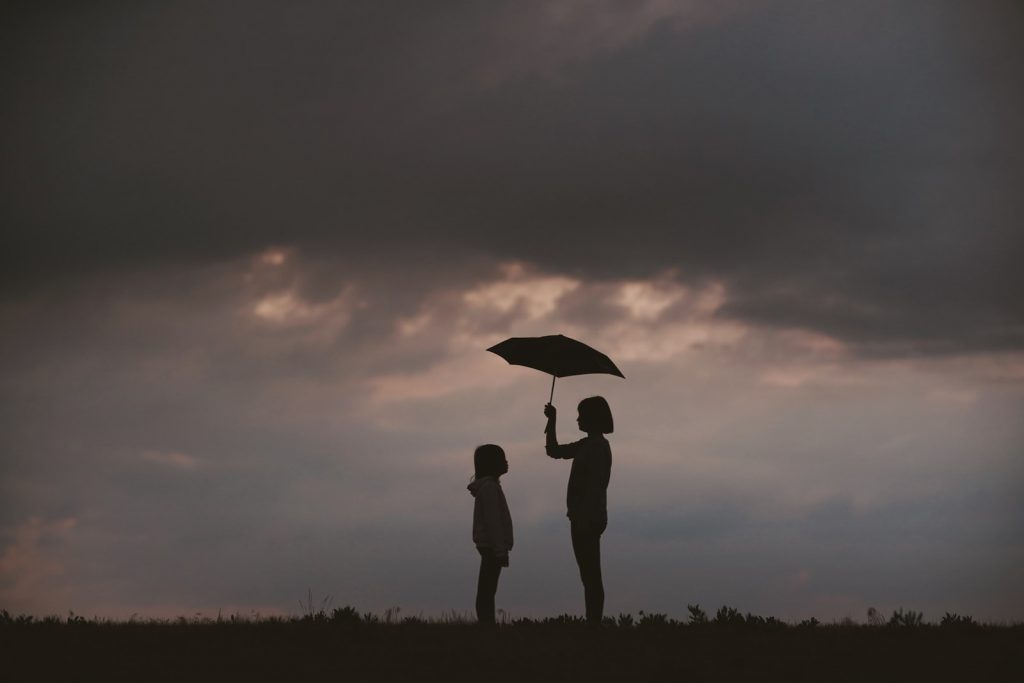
355, 649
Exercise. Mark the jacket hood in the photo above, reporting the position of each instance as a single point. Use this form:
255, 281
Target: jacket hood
474, 486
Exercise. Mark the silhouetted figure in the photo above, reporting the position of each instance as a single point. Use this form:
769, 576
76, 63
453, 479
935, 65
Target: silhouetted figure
586, 497
492, 526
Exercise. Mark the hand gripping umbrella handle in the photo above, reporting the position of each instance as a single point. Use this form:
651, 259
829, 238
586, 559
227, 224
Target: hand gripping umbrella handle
550, 398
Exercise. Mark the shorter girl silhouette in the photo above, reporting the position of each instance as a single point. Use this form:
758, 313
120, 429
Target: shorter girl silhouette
492, 526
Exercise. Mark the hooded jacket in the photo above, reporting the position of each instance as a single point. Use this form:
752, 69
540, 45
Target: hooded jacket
492, 523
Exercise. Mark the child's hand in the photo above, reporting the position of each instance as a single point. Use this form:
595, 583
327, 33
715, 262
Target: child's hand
550, 411
502, 559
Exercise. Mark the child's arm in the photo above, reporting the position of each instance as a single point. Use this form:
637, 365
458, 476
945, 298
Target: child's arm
551, 445
495, 530
554, 449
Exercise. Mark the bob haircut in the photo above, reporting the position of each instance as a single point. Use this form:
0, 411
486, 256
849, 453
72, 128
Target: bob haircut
596, 415
488, 460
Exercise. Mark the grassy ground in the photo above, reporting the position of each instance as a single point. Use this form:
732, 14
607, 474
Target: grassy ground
344, 645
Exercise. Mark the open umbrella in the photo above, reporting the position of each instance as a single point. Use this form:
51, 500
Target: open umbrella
557, 355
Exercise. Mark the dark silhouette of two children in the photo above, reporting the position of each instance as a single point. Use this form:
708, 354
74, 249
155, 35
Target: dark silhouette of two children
586, 500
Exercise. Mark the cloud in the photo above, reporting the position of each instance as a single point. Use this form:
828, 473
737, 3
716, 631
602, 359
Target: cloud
234, 461
247, 301
537, 296
644, 301
849, 181
529, 39
172, 459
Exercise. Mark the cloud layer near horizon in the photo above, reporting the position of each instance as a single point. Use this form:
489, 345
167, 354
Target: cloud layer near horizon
218, 438
251, 259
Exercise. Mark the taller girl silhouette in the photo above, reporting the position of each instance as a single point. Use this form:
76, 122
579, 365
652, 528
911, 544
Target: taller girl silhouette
586, 497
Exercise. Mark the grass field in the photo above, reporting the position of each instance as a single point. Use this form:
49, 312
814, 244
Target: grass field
348, 646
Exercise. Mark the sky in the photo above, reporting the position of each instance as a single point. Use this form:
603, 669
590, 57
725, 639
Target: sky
253, 255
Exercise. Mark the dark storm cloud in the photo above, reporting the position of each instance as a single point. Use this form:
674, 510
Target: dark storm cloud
850, 169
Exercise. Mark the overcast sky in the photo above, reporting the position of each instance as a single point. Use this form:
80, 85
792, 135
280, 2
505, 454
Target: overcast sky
252, 255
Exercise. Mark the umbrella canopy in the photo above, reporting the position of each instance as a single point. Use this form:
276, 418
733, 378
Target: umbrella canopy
556, 355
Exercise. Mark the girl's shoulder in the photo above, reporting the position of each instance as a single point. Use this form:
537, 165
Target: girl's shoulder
600, 445
482, 484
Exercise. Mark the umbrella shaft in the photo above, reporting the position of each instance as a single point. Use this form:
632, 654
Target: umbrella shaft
552, 396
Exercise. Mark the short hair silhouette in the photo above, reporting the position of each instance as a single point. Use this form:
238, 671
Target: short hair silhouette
597, 415
488, 460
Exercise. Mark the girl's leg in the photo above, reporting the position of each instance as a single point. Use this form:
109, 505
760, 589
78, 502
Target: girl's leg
486, 586
586, 545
